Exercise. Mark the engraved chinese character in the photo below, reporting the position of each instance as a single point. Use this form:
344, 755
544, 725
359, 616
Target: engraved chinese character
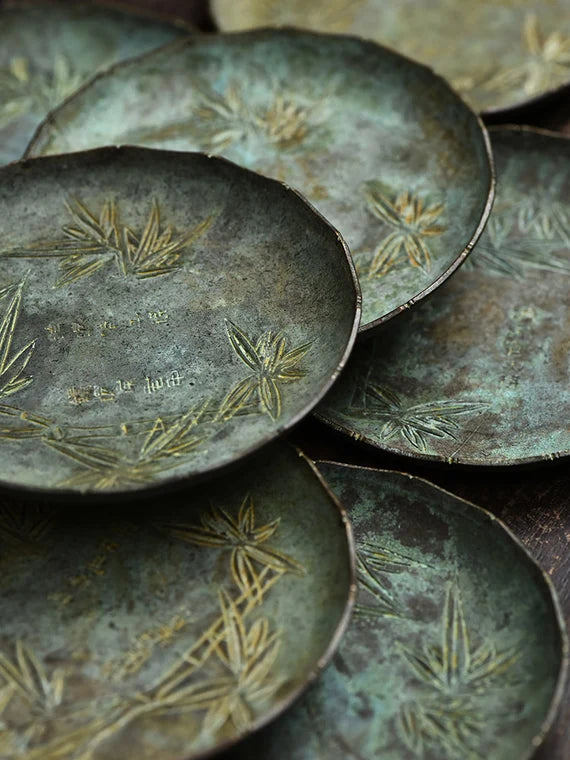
175, 378
124, 386
136, 320
80, 395
152, 386
54, 331
103, 394
158, 317
80, 328
105, 326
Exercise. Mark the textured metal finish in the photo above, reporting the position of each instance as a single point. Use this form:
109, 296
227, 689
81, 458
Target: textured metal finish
380, 145
165, 634
479, 374
162, 315
456, 648
48, 50
497, 53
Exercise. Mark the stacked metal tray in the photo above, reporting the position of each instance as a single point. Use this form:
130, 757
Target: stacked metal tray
208, 239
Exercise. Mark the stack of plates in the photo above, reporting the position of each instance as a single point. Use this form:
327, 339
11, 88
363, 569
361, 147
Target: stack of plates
205, 241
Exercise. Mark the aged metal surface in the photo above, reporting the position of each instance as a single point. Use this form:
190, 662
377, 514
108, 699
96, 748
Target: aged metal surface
164, 634
496, 53
479, 374
380, 145
161, 315
48, 50
455, 650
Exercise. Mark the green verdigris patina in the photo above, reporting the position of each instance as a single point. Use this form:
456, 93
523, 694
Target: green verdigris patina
49, 49
456, 649
165, 634
379, 144
497, 53
161, 316
479, 375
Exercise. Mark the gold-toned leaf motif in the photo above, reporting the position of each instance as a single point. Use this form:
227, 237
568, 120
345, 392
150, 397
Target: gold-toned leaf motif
13, 364
411, 221
220, 120
414, 423
246, 542
24, 89
546, 64
456, 675
91, 241
376, 599
271, 365
227, 675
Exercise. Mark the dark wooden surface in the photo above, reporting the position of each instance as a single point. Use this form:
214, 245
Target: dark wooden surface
533, 502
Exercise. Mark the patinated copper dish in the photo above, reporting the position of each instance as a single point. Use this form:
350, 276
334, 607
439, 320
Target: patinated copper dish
162, 315
168, 634
382, 146
496, 53
479, 375
456, 648
49, 49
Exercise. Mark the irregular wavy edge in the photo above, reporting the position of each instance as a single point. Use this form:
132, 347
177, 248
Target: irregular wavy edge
294, 33
548, 585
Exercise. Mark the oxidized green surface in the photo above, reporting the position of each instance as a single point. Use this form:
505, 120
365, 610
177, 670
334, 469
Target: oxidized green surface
480, 373
48, 50
455, 650
497, 53
161, 315
380, 145
164, 633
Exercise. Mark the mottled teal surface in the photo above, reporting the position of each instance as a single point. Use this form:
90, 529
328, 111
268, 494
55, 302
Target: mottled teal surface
159, 632
380, 145
479, 374
48, 50
454, 651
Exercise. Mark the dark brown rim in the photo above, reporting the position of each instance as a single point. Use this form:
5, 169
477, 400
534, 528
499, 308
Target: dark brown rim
552, 595
111, 5
490, 463
175, 482
261, 33
335, 640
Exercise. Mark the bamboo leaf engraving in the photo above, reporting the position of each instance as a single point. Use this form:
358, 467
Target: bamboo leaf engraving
26, 677
220, 120
456, 676
91, 241
24, 90
409, 221
24, 530
414, 423
502, 253
13, 364
546, 64
372, 561
246, 543
271, 365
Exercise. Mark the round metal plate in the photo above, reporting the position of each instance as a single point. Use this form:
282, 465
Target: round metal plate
456, 648
379, 144
168, 634
496, 53
479, 375
162, 315
49, 49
